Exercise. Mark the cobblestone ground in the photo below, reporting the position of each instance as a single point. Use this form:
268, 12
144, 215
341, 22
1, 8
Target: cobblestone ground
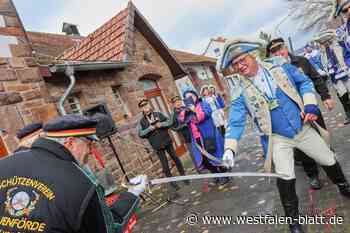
255, 196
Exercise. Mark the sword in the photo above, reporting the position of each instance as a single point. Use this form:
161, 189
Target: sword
213, 175
159, 181
165, 180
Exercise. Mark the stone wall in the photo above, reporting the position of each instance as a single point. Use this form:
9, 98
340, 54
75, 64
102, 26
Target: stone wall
95, 87
23, 93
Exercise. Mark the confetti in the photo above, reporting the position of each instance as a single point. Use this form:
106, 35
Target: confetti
261, 202
252, 186
196, 203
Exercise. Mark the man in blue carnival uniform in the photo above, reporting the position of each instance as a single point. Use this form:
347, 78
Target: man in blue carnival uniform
343, 32
333, 60
281, 100
314, 56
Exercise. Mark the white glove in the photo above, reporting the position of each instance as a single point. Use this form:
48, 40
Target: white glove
229, 158
321, 72
139, 184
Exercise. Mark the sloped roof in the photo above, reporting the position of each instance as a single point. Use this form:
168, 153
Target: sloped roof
114, 41
218, 39
104, 44
190, 58
48, 45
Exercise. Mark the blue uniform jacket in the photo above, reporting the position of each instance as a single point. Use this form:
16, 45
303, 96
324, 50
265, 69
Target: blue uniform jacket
285, 119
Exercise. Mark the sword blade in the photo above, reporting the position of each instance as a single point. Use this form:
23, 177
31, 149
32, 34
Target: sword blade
213, 175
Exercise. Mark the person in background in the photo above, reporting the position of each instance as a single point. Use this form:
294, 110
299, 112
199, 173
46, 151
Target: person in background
154, 126
333, 59
182, 128
205, 136
216, 104
27, 135
343, 31
277, 47
314, 57
221, 105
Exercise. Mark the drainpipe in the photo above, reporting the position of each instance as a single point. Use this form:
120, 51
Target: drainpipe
69, 73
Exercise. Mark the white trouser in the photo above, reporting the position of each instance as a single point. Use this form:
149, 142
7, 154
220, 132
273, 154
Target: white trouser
342, 87
218, 117
308, 141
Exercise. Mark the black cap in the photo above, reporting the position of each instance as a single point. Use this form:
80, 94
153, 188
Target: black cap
272, 44
175, 98
72, 125
143, 102
29, 129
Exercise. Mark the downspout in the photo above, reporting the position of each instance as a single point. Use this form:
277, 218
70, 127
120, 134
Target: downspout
70, 74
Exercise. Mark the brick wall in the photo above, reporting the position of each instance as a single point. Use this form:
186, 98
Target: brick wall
95, 86
23, 93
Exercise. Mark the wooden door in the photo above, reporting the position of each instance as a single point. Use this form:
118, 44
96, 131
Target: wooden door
155, 97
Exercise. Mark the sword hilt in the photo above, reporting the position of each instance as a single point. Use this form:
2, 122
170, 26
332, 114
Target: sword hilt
128, 185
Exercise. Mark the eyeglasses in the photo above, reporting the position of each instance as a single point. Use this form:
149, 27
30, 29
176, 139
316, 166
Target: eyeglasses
345, 10
276, 49
241, 61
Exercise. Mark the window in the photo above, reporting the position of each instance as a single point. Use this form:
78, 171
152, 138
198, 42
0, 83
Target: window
119, 101
217, 52
203, 72
74, 105
149, 84
147, 56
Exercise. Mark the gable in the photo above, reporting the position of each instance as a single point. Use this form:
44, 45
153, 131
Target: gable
104, 44
114, 41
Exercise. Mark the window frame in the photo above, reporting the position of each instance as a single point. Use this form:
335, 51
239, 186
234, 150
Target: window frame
76, 103
118, 98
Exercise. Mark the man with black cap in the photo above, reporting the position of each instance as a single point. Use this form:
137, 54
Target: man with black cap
277, 47
28, 135
45, 189
282, 102
154, 126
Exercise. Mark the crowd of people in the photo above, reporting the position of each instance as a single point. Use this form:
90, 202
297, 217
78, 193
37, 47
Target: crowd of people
199, 119
278, 92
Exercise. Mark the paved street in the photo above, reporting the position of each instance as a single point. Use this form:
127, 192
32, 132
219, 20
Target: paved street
255, 196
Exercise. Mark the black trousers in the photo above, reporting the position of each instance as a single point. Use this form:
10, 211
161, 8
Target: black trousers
222, 130
345, 102
164, 161
207, 164
309, 164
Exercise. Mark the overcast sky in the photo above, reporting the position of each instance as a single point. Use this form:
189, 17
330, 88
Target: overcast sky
182, 24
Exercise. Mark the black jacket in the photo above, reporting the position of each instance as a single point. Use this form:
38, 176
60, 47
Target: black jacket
43, 186
158, 138
181, 128
319, 82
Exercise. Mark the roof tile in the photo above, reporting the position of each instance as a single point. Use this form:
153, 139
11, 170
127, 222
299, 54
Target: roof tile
187, 58
94, 47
